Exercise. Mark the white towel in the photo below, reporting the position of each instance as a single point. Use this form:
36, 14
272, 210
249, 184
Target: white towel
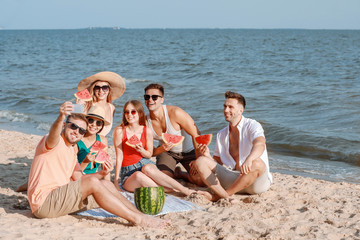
172, 204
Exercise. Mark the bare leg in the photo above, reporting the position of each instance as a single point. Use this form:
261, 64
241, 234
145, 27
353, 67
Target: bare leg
257, 169
170, 174
195, 179
163, 179
136, 180
206, 168
111, 202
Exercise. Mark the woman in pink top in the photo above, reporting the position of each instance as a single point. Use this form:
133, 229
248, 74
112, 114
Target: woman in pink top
137, 170
104, 88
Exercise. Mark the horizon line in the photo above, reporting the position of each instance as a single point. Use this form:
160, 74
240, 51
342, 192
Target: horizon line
176, 28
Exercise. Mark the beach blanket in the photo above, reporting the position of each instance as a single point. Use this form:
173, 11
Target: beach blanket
172, 204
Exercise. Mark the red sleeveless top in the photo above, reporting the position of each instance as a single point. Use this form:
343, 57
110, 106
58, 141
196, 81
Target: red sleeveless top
130, 155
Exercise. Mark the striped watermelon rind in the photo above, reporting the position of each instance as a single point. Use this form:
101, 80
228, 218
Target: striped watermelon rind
101, 156
149, 200
174, 139
133, 141
204, 139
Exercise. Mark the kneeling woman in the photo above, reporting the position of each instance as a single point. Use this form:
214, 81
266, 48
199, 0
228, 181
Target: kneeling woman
96, 122
136, 168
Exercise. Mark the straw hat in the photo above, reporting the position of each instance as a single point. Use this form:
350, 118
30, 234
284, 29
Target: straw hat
98, 112
116, 82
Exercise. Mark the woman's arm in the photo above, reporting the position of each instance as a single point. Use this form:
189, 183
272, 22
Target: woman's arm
117, 138
147, 152
105, 142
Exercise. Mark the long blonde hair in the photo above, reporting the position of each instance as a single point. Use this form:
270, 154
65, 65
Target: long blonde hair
94, 99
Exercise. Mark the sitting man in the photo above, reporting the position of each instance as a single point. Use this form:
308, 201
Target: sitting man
57, 185
240, 163
175, 121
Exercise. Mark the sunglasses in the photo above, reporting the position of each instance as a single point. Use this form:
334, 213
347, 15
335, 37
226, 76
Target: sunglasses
73, 126
105, 88
154, 97
99, 123
133, 112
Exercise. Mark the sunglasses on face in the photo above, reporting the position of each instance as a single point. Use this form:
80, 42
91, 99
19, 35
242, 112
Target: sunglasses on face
104, 88
99, 123
133, 112
154, 97
73, 126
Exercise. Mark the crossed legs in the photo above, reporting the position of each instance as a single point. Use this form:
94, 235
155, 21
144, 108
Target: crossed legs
206, 168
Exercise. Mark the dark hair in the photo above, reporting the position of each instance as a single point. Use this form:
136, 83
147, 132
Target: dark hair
103, 125
140, 110
78, 116
237, 96
155, 86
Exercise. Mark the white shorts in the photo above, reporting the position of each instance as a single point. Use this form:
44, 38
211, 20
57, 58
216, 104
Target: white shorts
227, 177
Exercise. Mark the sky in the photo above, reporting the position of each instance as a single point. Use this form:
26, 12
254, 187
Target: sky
72, 14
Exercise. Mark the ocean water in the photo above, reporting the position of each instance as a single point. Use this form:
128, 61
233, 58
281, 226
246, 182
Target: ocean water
303, 86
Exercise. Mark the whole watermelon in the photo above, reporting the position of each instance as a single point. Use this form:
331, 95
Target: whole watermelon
149, 200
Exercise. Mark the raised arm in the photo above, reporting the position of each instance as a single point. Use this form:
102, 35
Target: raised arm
117, 138
55, 130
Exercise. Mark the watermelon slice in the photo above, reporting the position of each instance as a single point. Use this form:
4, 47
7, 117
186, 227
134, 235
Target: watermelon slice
204, 139
97, 146
133, 141
101, 156
174, 139
83, 95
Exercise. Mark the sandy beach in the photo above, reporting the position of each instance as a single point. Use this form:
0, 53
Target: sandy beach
294, 208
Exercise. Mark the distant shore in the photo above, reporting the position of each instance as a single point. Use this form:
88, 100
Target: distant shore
293, 208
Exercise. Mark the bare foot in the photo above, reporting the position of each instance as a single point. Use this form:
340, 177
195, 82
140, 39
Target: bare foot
153, 222
206, 194
233, 200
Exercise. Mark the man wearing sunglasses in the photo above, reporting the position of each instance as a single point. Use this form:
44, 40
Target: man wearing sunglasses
57, 186
173, 120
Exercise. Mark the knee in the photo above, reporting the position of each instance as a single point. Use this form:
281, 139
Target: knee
200, 162
91, 182
149, 169
138, 176
259, 165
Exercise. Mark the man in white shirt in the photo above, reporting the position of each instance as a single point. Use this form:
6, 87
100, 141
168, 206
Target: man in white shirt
240, 162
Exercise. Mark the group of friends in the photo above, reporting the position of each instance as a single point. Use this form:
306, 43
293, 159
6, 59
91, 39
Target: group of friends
64, 177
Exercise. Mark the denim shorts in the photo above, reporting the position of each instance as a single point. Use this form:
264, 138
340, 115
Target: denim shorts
129, 170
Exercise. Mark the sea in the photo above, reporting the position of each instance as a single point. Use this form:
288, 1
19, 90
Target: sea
303, 86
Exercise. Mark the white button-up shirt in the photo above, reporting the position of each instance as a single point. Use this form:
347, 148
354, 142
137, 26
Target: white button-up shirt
249, 130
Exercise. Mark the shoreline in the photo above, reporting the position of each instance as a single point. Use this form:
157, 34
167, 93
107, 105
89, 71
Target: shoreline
294, 207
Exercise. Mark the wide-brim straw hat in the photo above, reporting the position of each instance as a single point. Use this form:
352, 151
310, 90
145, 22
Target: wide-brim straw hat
99, 113
116, 82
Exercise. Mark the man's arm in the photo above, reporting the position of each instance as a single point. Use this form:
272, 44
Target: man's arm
55, 130
77, 174
185, 121
256, 152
